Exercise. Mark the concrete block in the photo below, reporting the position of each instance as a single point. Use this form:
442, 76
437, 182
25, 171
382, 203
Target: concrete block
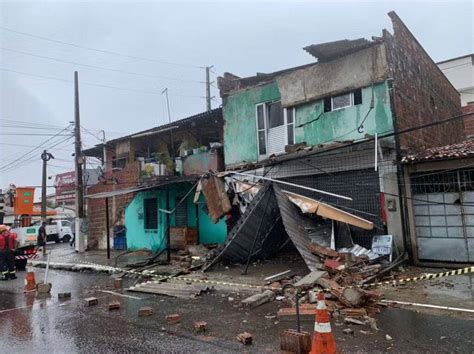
114, 305
174, 318
145, 311
91, 301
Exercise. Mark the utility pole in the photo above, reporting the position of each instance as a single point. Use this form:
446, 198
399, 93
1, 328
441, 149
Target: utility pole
208, 88
80, 244
45, 156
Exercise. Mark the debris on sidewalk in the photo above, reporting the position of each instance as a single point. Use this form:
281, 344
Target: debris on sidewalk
200, 326
245, 338
145, 311
175, 289
173, 319
63, 296
114, 305
91, 301
258, 299
295, 342
118, 283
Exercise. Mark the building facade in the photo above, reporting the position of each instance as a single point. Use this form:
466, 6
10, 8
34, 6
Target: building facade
341, 123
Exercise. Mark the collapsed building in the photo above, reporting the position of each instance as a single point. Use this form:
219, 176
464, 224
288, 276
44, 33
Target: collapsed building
303, 156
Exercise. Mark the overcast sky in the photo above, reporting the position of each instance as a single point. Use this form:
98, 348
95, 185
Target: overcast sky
240, 37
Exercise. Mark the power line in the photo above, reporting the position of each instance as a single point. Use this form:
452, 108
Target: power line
30, 124
34, 149
101, 50
33, 134
24, 145
103, 67
93, 84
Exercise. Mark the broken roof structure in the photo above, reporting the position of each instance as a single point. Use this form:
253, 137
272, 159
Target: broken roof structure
446, 152
274, 217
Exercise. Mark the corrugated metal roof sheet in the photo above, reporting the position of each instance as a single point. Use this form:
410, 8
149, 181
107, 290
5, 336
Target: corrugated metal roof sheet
242, 235
301, 229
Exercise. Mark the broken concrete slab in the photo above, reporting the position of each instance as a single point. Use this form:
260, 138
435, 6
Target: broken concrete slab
309, 280
258, 299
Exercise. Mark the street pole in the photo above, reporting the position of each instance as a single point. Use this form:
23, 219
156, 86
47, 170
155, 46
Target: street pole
45, 156
208, 88
165, 91
107, 225
80, 244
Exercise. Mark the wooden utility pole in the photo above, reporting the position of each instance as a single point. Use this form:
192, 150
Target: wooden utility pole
45, 156
80, 244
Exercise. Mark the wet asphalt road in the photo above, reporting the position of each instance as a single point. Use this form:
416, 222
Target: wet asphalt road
47, 325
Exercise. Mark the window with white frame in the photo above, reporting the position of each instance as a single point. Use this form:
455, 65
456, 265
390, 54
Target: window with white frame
275, 128
344, 100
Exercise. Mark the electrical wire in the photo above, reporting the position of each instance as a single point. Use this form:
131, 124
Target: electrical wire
100, 50
96, 85
34, 149
103, 67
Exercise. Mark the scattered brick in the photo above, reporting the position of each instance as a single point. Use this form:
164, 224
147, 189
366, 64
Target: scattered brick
145, 311
64, 295
245, 338
91, 301
118, 283
200, 326
114, 305
174, 318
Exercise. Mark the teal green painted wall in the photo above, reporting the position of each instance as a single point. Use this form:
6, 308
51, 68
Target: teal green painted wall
209, 232
155, 240
137, 236
341, 124
240, 132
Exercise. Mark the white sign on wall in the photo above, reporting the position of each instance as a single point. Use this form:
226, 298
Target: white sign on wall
382, 245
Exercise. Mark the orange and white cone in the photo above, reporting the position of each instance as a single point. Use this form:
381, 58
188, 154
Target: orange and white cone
323, 340
30, 281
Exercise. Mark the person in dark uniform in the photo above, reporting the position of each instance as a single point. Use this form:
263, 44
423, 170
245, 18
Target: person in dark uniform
42, 237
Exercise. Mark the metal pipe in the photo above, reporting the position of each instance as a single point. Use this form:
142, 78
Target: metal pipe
107, 225
292, 184
256, 237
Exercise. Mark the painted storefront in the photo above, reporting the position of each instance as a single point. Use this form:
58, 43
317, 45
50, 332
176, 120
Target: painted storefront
151, 234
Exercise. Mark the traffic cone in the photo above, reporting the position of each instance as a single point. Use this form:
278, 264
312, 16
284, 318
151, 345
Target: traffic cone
30, 282
323, 340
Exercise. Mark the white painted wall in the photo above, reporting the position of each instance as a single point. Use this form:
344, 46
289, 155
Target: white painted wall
460, 72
